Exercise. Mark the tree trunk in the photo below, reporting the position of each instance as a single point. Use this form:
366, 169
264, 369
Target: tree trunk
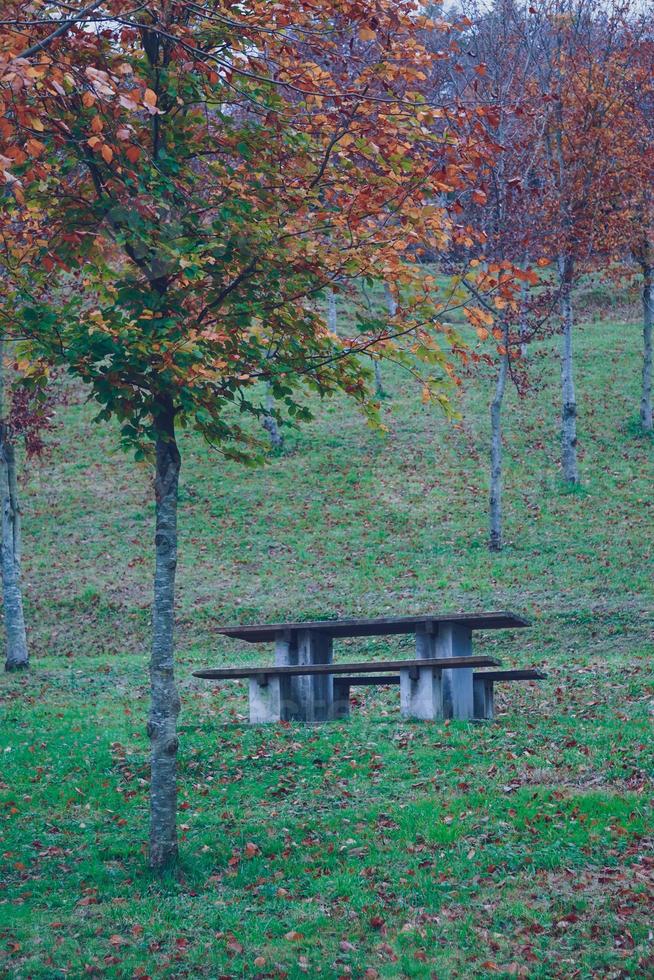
16, 649
524, 326
270, 424
569, 403
495, 541
17, 657
648, 321
164, 706
391, 302
379, 385
332, 318
391, 307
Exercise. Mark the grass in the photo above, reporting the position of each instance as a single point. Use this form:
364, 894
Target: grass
372, 848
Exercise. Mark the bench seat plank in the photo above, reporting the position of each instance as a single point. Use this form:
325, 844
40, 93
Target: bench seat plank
380, 666
527, 674
484, 688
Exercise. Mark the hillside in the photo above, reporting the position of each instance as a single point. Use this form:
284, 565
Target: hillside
381, 848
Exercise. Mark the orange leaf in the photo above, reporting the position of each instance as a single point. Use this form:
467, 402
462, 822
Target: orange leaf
150, 97
366, 34
35, 147
107, 153
132, 153
96, 124
88, 99
543, 262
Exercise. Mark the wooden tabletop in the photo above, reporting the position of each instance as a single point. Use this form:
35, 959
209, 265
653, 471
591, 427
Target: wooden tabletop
381, 626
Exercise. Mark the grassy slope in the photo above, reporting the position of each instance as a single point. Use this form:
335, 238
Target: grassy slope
397, 849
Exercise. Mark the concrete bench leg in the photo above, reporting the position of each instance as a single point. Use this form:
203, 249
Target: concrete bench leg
455, 640
451, 640
306, 698
341, 703
316, 692
421, 694
265, 700
484, 699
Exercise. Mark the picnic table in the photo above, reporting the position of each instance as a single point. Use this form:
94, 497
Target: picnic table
304, 683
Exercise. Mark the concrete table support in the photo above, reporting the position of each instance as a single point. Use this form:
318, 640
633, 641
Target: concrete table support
450, 640
265, 700
305, 698
421, 693
341, 703
484, 699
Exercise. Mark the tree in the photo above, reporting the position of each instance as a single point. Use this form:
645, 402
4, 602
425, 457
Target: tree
636, 150
494, 71
24, 419
197, 178
582, 85
17, 657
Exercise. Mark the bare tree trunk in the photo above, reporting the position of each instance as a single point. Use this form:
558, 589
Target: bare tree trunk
164, 705
17, 657
391, 302
391, 307
648, 321
379, 385
523, 326
332, 319
569, 403
495, 541
270, 424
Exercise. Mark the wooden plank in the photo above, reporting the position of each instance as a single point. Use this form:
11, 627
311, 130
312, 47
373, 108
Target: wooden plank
368, 681
381, 626
530, 674
379, 666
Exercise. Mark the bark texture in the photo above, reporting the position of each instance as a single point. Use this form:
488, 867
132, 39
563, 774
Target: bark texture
495, 541
391, 302
16, 652
332, 316
648, 321
379, 383
17, 657
164, 705
568, 399
271, 426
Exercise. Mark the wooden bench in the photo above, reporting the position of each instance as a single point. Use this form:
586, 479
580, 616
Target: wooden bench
273, 696
482, 685
309, 644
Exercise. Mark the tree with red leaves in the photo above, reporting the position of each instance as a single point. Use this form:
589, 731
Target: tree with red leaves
191, 179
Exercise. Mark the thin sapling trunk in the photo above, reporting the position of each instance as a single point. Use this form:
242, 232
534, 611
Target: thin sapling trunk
164, 706
495, 542
648, 321
568, 399
270, 424
17, 657
332, 316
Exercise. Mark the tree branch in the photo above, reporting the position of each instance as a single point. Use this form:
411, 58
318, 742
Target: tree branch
63, 27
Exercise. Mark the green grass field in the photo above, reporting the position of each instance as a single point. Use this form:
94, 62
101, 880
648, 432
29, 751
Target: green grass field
372, 848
